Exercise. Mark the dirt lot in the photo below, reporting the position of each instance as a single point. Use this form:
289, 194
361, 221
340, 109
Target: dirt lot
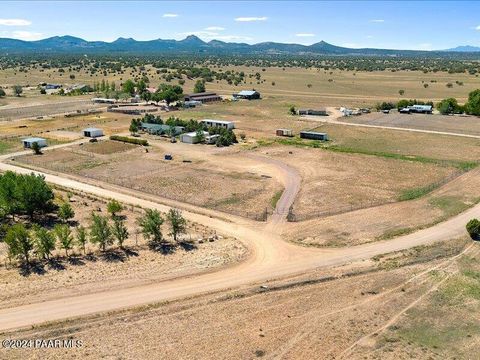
198, 182
457, 124
374, 309
337, 182
98, 271
387, 221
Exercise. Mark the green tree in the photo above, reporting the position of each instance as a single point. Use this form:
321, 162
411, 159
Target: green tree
17, 90
82, 238
177, 223
120, 231
133, 127
129, 87
292, 110
473, 229
199, 86
34, 195
19, 242
100, 231
150, 224
44, 242
64, 236
114, 207
65, 212
200, 135
473, 104
36, 148
448, 106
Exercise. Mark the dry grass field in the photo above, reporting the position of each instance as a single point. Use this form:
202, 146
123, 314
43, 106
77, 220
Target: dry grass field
419, 303
464, 124
96, 271
339, 182
196, 182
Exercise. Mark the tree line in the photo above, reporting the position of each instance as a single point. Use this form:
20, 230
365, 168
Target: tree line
25, 201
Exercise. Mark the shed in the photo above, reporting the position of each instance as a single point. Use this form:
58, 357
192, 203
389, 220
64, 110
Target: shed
320, 112
191, 137
230, 125
92, 132
247, 94
284, 132
313, 135
203, 97
28, 142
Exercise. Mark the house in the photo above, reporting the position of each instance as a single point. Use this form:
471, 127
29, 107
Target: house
420, 109
92, 132
319, 112
203, 97
191, 137
313, 135
284, 132
28, 142
247, 94
162, 129
230, 125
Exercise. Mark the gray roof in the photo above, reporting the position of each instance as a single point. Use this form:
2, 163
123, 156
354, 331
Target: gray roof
217, 121
247, 92
90, 129
34, 139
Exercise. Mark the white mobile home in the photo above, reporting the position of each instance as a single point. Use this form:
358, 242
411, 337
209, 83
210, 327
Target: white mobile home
230, 125
28, 142
92, 132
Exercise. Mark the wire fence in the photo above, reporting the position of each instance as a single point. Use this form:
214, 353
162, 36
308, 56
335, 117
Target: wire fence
295, 216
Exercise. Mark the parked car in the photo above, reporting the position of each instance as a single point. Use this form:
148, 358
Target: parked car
168, 157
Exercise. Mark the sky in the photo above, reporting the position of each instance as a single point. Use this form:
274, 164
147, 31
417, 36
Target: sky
421, 25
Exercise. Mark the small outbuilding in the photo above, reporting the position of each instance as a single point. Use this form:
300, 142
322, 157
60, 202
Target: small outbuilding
313, 135
192, 137
28, 142
92, 132
247, 94
318, 112
203, 97
284, 132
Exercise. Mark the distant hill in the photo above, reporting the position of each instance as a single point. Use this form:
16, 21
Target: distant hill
194, 45
465, 48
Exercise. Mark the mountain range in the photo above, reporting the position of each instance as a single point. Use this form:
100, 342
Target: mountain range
194, 45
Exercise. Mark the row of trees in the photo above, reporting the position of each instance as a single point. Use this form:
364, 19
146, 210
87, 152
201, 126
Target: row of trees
25, 243
446, 106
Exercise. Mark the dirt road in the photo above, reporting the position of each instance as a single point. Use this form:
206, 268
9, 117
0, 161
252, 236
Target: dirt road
337, 116
271, 257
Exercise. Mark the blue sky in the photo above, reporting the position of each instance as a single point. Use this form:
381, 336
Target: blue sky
398, 25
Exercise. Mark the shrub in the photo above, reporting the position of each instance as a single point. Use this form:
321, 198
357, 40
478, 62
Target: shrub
129, 140
473, 228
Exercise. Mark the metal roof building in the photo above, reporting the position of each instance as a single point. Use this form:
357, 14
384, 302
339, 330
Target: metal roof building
247, 94
230, 125
28, 142
92, 132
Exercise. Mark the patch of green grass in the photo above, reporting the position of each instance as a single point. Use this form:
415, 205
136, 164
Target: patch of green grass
389, 234
329, 145
275, 198
450, 205
415, 193
4, 147
433, 336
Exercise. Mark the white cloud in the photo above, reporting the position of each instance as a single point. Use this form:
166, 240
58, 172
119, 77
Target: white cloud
477, 28
377, 21
170, 15
250, 19
214, 28
15, 22
26, 35
369, 36
305, 35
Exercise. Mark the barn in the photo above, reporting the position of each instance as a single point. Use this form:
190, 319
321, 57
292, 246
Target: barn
28, 142
92, 132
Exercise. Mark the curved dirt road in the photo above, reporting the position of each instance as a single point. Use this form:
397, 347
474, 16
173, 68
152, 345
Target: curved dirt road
271, 257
